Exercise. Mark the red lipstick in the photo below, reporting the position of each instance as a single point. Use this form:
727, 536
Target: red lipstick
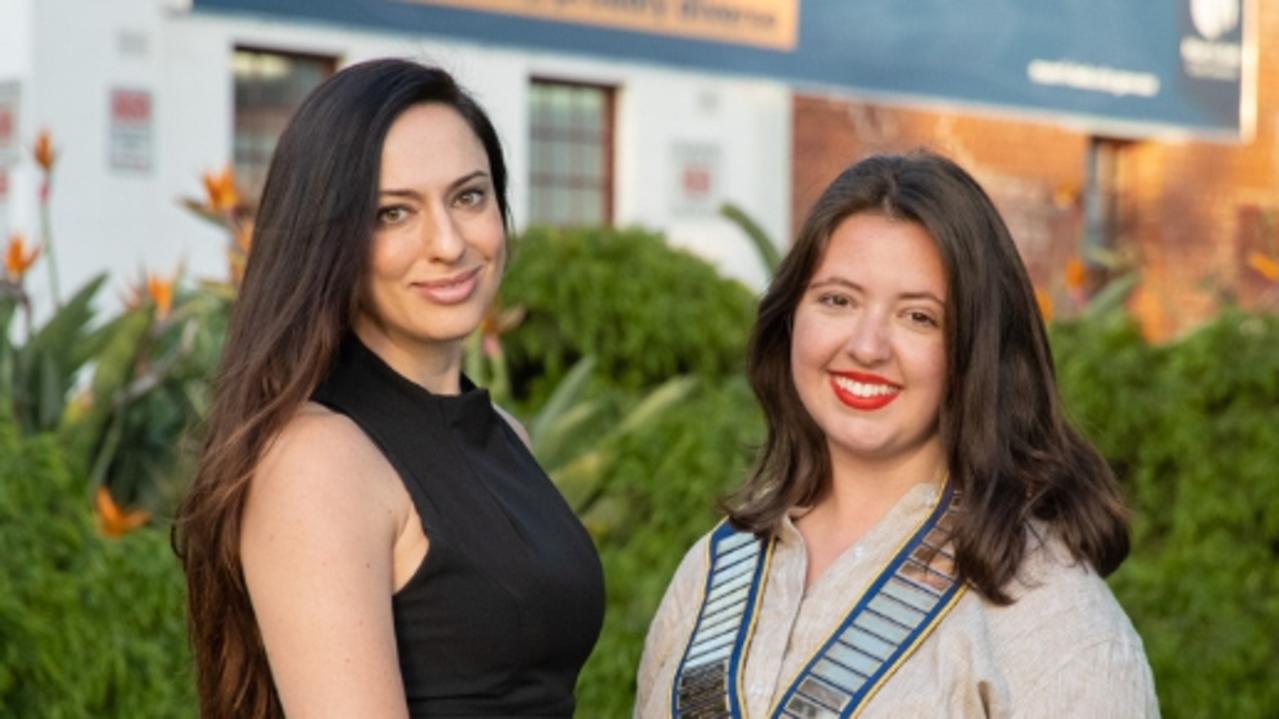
864, 391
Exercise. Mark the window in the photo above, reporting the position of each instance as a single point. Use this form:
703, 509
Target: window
1102, 193
269, 86
571, 154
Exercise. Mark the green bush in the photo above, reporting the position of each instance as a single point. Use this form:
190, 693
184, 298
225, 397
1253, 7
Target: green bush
89, 626
1192, 430
645, 311
669, 478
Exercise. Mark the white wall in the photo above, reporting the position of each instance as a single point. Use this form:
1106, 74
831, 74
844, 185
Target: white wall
748, 127
125, 221
16, 29
103, 218
15, 36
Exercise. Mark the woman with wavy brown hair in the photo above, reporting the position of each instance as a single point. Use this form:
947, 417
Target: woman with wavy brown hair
366, 535
924, 534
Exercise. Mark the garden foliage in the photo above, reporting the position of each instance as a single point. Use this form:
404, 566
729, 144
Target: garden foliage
645, 311
119, 394
1192, 430
669, 480
91, 626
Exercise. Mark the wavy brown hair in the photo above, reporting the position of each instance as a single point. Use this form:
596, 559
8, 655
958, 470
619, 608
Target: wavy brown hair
310, 248
1010, 451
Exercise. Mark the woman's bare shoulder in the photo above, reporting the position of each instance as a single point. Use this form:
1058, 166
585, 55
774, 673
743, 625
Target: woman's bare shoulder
317, 439
321, 466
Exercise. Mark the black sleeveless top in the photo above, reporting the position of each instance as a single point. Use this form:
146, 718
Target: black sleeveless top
500, 616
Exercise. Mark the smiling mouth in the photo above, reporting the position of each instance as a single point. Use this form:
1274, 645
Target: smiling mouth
450, 291
864, 392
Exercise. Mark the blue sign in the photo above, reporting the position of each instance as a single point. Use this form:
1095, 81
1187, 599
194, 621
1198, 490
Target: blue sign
1131, 68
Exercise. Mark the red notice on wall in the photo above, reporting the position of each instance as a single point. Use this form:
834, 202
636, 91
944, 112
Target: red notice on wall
131, 129
9, 152
696, 186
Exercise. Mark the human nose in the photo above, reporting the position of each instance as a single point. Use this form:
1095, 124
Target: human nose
868, 342
444, 239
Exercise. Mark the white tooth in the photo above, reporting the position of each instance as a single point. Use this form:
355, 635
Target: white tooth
859, 389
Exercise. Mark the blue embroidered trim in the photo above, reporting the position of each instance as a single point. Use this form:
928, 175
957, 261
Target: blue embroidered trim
706, 685
903, 604
895, 613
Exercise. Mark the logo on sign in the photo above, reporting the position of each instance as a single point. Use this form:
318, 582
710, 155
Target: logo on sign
1208, 55
1214, 18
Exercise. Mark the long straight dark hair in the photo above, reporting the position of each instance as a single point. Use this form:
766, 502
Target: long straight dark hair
1011, 453
310, 248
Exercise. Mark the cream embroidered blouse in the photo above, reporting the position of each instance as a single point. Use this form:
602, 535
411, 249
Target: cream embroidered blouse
1065, 648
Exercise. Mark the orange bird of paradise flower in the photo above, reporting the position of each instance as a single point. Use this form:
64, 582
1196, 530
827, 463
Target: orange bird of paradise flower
497, 322
116, 522
220, 190
17, 258
1076, 274
43, 151
1265, 266
160, 290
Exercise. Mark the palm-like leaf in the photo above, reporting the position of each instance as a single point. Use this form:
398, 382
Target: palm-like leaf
583, 478
768, 254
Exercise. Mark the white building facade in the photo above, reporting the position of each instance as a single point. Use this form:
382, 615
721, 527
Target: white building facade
142, 97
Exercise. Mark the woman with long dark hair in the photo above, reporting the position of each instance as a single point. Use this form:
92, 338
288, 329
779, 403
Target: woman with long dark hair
924, 534
366, 535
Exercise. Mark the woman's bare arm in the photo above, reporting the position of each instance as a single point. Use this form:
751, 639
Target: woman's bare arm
316, 545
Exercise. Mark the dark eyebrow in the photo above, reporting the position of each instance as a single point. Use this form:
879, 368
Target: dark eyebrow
841, 282
923, 296
415, 195
466, 178
410, 194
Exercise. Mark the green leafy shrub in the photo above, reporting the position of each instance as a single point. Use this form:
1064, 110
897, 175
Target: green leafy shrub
668, 479
1192, 430
645, 311
89, 626
154, 381
150, 370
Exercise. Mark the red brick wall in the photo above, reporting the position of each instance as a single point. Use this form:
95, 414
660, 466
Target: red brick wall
1189, 213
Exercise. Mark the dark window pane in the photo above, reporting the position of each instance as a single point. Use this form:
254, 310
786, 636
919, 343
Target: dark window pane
268, 87
569, 151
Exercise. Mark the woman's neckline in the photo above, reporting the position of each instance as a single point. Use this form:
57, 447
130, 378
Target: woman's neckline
360, 353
